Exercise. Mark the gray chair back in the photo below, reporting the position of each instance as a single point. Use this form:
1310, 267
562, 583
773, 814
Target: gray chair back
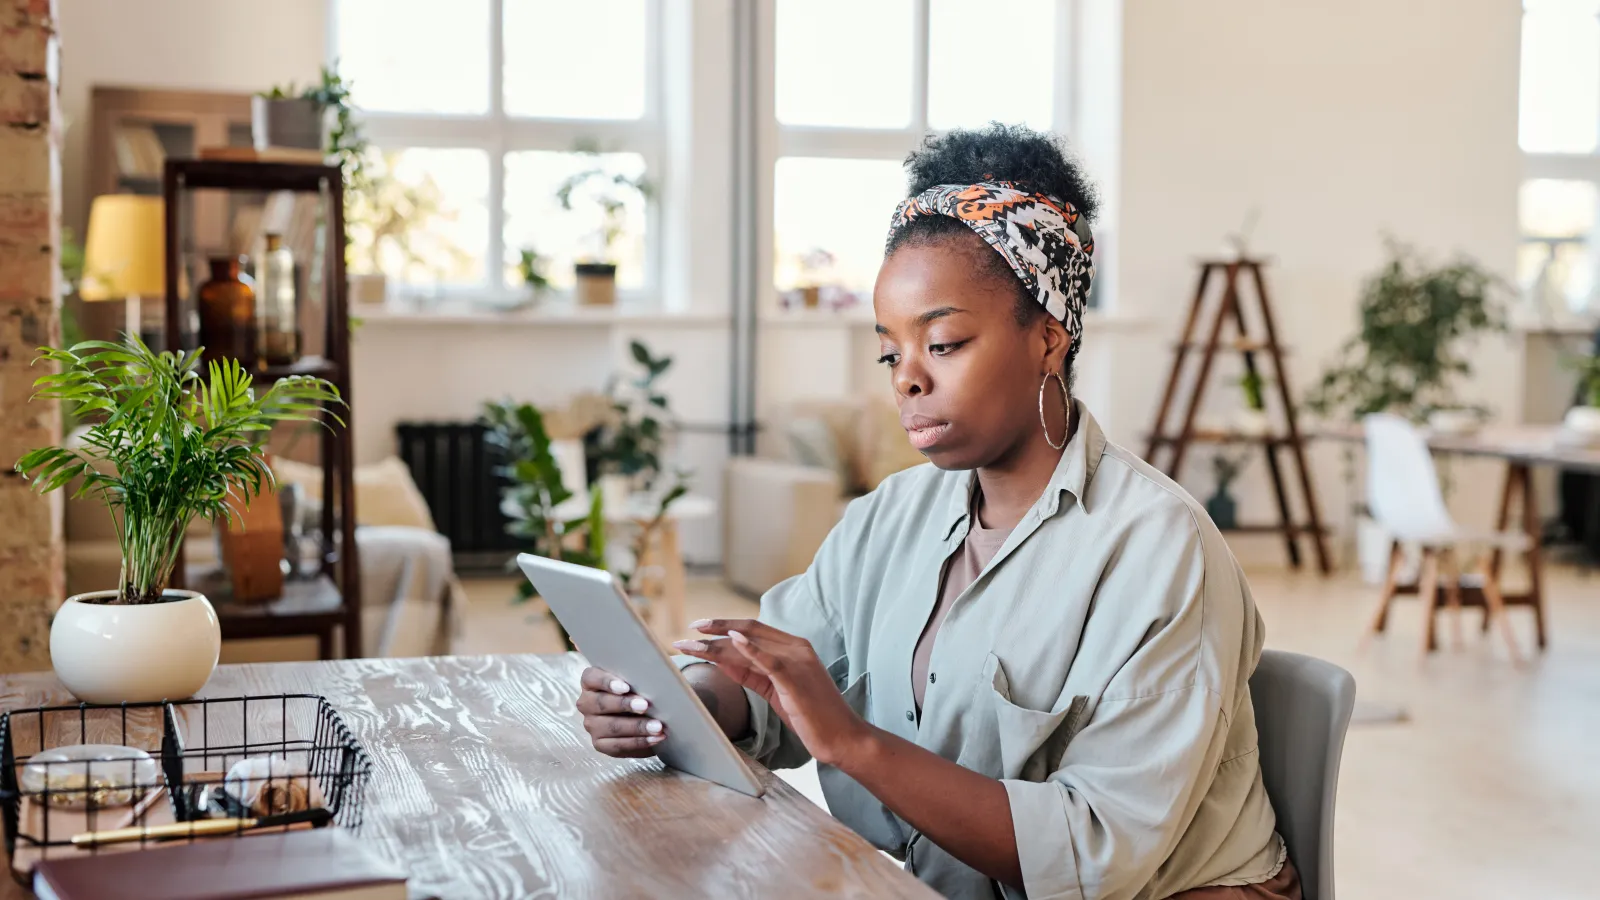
1302, 707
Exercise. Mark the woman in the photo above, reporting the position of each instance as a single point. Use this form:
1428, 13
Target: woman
1024, 667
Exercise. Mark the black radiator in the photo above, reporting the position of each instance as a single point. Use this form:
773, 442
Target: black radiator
454, 467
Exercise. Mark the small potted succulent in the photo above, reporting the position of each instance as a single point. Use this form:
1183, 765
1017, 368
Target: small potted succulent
1252, 421
164, 447
816, 266
608, 193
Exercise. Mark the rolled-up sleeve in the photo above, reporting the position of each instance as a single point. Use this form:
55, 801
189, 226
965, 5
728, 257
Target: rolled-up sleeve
800, 606
1130, 780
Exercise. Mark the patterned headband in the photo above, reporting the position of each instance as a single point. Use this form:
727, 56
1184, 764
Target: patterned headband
1043, 239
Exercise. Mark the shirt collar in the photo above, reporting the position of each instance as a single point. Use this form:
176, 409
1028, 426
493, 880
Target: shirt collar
1073, 473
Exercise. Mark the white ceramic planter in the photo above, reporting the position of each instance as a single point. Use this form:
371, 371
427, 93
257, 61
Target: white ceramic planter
1252, 423
1583, 421
116, 653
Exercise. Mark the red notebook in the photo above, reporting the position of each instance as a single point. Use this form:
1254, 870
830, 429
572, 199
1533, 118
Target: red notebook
316, 864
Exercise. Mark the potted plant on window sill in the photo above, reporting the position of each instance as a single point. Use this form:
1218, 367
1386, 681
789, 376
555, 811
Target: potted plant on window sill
608, 192
1582, 423
173, 447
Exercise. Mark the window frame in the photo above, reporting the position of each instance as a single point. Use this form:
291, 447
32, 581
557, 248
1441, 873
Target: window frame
1539, 166
843, 142
497, 133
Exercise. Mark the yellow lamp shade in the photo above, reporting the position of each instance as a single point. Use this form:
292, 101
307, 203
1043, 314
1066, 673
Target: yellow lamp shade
124, 255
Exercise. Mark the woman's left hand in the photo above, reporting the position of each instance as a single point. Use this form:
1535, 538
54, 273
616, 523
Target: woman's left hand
783, 670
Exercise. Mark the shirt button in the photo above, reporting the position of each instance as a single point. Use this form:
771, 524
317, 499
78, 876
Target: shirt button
911, 716
932, 677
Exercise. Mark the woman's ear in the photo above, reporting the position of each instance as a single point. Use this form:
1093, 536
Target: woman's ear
1057, 340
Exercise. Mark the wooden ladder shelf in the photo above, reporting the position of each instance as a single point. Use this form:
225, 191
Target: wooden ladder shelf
1234, 275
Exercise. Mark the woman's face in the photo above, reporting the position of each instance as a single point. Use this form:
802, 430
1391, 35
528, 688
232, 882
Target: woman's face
966, 375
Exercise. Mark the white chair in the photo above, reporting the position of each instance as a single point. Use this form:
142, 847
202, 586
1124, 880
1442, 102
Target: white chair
1404, 498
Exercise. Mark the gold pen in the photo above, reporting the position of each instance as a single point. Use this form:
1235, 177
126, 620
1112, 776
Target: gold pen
202, 828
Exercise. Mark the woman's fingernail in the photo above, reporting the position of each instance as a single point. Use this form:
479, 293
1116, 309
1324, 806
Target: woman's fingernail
655, 739
618, 686
638, 704
738, 637
695, 646
700, 624
653, 726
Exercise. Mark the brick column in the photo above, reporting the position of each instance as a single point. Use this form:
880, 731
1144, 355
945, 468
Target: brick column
31, 576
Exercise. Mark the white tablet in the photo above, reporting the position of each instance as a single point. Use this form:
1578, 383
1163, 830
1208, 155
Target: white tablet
590, 604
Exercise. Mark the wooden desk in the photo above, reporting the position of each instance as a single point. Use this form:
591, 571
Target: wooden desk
484, 785
1522, 447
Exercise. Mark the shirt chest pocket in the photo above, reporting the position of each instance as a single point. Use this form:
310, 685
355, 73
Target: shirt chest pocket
1028, 744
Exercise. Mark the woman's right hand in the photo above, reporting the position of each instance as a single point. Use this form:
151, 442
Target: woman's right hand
617, 719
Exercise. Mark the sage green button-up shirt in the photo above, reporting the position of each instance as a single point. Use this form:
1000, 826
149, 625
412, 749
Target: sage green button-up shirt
1098, 667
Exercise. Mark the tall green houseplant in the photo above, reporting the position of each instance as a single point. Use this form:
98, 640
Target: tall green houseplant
179, 446
1410, 350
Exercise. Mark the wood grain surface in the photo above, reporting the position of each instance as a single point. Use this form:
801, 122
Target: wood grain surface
484, 786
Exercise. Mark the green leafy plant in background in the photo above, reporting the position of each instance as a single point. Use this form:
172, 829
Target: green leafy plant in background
609, 192
534, 492
1588, 369
530, 266
390, 213
346, 142
1254, 390
632, 443
179, 446
1408, 353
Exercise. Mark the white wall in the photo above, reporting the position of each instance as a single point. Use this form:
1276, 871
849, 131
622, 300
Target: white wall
1340, 121
210, 45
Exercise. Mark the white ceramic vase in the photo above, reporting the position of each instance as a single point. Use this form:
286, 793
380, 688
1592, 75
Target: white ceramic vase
134, 653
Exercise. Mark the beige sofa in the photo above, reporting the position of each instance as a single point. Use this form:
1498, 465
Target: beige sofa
781, 503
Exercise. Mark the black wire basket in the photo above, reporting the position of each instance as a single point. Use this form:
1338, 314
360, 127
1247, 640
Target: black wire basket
304, 759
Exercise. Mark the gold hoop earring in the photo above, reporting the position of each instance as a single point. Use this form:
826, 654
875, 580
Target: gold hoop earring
1066, 402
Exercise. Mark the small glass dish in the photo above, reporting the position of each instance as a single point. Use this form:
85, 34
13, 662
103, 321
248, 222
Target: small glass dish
104, 775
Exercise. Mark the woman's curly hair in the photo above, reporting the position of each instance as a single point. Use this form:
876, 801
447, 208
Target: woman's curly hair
996, 152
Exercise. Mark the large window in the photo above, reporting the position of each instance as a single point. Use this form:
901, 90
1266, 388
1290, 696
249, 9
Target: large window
1559, 131
477, 116
851, 102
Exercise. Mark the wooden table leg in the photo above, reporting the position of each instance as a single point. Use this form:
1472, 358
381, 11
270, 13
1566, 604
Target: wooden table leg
674, 578
1534, 554
1451, 572
325, 643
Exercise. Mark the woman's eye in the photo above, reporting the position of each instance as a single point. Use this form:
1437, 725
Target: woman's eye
889, 359
945, 349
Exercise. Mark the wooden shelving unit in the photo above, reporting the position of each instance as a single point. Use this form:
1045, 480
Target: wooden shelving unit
331, 600
1204, 344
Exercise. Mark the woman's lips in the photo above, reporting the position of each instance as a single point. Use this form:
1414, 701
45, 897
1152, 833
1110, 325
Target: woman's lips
923, 431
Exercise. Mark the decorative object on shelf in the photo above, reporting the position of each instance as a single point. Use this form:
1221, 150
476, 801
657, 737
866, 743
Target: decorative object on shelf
289, 117
1253, 421
815, 267
227, 314
122, 259
1221, 506
277, 309
178, 445
252, 543
608, 192
1202, 335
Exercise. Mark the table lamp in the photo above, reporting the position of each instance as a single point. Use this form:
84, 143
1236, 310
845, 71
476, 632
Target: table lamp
124, 254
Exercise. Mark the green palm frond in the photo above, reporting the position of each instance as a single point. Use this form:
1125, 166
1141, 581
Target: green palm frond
179, 446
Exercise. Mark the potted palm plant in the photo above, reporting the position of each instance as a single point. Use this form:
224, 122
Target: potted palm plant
169, 447
608, 192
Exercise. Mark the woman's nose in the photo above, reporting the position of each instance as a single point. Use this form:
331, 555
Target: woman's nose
910, 379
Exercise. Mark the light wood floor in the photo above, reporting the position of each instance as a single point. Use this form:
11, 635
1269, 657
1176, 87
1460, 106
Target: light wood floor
1490, 788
